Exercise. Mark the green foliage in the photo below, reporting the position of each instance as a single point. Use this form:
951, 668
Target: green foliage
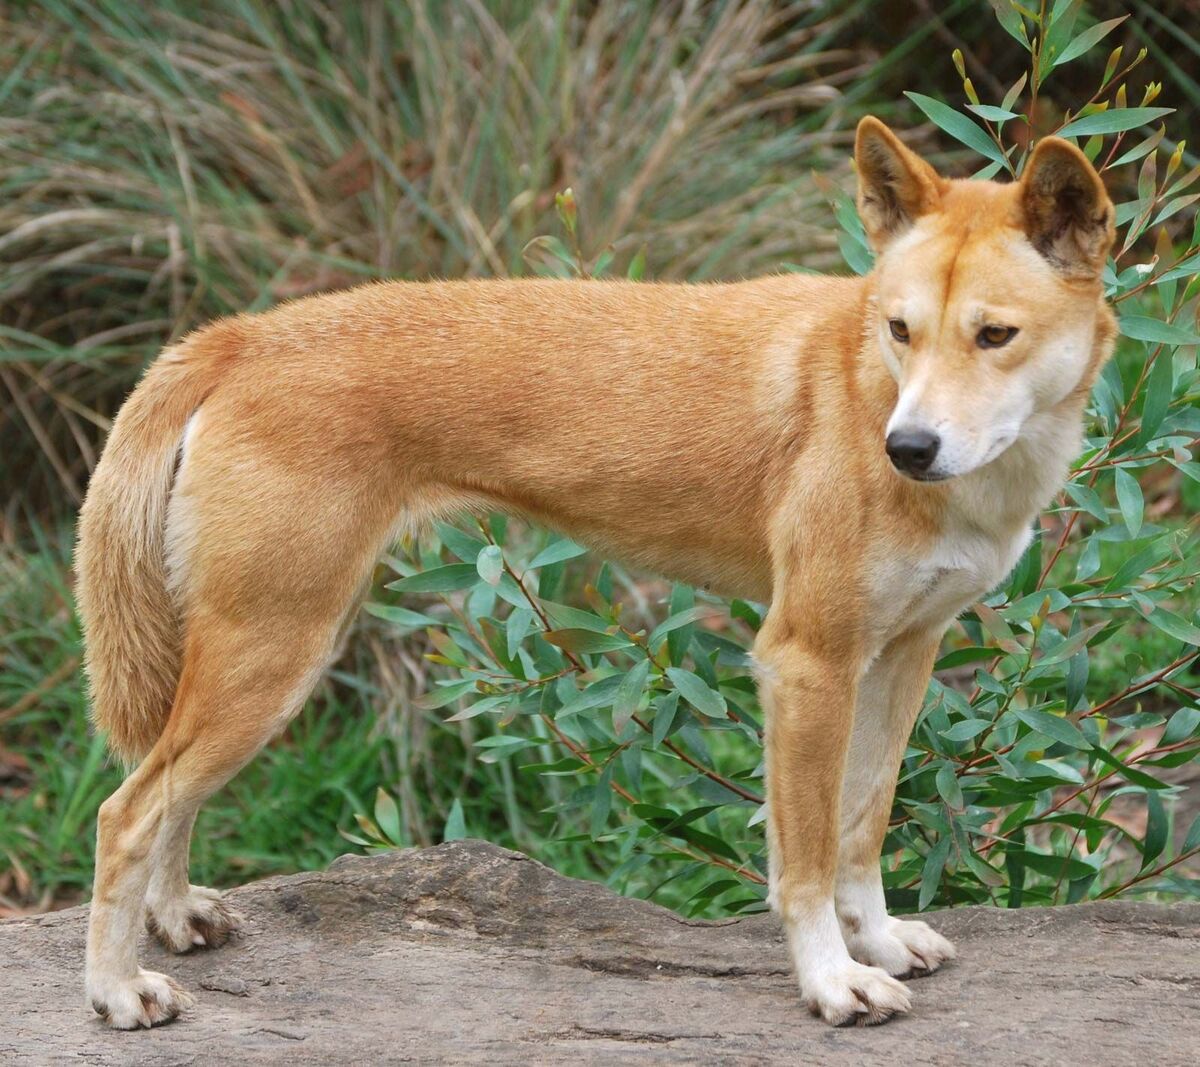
1052, 711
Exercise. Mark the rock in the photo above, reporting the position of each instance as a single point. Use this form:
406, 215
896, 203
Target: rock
470, 953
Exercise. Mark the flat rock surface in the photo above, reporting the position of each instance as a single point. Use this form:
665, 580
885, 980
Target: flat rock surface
470, 953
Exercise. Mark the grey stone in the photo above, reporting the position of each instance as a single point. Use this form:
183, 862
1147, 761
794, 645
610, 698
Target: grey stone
470, 953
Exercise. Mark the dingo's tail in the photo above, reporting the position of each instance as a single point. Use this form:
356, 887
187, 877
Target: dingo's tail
132, 628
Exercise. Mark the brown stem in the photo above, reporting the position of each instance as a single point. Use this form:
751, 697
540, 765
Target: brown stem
1150, 874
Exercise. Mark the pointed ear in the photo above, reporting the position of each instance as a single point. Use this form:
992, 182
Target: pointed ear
1065, 209
895, 186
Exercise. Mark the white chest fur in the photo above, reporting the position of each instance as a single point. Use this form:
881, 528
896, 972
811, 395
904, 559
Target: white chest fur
924, 590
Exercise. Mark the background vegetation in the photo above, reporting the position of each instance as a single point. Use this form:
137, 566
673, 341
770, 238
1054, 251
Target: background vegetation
161, 167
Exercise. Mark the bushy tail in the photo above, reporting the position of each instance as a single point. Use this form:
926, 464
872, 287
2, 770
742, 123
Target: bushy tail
132, 629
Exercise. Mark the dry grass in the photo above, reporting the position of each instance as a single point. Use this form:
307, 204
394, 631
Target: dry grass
160, 168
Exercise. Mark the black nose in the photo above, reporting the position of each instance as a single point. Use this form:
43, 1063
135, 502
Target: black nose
912, 451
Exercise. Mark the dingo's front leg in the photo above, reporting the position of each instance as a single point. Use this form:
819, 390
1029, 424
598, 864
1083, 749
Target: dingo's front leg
808, 693
889, 698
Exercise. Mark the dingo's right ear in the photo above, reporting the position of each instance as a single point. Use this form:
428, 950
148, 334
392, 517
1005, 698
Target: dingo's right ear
1065, 208
895, 186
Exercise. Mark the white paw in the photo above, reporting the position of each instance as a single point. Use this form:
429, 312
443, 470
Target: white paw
150, 999
198, 919
905, 947
855, 994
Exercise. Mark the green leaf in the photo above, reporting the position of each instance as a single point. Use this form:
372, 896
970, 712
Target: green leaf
456, 825
631, 764
992, 114
1056, 768
1137, 565
387, 816
957, 125
1131, 774
508, 590
637, 265
439, 580
859, 258
556, 552
1089, 560
492, 703
501, 746
1192, 840
1129, 497
682, 598
982, 870
965, 730
965, 655
595, 695
1142, 148
629, 695
948, 786
1156, 830
715, 889
1088, 39
1010, 18
445, 694
1181, 725
586, 641
565, 617
1056, 866
1052, 726
664, 718
566, 765
464, 545
1088, 499
749, 613
517, 629
931, 873
1145, 328
697, 692
674, 622
1078, 640
1177, 627
1114, 120
400, 616
1014, 91
490, 564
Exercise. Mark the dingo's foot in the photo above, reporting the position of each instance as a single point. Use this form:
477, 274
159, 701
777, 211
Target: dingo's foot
905, 949
150, 999
856, 994
198, 919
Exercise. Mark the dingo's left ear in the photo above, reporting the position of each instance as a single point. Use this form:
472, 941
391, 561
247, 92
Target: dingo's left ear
895, 185
1065, 208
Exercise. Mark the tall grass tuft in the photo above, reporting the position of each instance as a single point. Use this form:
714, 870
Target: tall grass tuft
164, 164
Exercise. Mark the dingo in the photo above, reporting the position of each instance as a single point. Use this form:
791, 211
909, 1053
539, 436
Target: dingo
866, 454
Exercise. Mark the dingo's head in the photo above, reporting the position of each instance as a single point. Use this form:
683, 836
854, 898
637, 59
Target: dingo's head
990, 306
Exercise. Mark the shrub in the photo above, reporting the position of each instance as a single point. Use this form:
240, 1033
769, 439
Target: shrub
1041, 768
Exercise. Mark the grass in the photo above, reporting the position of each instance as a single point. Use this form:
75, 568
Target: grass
266, 151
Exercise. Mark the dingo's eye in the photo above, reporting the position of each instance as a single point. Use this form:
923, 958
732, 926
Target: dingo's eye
899, 330
995, 336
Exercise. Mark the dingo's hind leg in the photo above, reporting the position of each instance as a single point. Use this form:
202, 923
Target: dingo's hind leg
236, 691
269, 589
